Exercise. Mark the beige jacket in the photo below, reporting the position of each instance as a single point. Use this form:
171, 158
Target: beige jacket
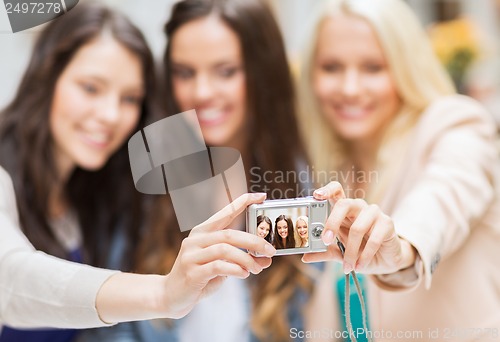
445, 201
38, 290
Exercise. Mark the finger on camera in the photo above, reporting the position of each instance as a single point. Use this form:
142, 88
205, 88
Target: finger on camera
344, 213
373, 244
337, 216
359, 229
228, 253
238, 239
332, 190
226, 215
220, 268
263, 261
331, 254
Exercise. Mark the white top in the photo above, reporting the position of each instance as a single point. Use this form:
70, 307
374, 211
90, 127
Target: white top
38, 290
223, 316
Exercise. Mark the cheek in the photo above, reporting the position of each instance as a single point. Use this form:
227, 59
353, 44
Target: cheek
67, 104
240, 88
236, 90
384, 89
182, 94
320, 86
326, 88
389, 100
128, 124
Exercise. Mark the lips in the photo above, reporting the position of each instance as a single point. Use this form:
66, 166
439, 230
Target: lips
96, 139
211, 117
352, 112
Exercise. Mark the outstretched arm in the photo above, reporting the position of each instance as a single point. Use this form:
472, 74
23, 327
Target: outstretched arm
39, 290
207, 256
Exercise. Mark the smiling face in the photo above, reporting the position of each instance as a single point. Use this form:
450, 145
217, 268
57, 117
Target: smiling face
208, 76
351, 79
282, 228
96, 104
302, 229
263, 229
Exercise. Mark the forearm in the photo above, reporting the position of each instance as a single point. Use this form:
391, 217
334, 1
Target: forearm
38, 290
129, 297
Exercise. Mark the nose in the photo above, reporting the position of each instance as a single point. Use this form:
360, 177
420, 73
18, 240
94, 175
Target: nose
109, 111
351, 83
204, 88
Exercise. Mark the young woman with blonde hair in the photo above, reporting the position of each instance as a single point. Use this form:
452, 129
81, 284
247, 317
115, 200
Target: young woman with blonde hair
376, 99
301, 231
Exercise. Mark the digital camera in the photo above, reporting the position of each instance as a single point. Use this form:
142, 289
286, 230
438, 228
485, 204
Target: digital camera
292, 226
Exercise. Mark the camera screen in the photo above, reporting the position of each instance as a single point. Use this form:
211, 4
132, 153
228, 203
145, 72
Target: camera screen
284, 228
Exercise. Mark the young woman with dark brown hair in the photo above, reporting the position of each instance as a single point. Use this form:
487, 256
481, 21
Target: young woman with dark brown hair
62, 137
226, 60
284, 233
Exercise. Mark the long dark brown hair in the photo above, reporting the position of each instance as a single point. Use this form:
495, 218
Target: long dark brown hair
271, 108
290, 239
101, 199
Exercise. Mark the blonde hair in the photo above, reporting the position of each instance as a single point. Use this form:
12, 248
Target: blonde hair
417, 73
298, 239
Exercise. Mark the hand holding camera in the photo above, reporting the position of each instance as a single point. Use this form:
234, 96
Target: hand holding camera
211, 253
370, 239
310, 225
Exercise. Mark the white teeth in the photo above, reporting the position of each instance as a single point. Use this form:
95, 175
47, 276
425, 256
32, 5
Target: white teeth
100, 138
353, 111
209, 114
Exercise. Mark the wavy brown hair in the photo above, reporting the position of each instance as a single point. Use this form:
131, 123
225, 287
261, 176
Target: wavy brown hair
271, 107
101, 199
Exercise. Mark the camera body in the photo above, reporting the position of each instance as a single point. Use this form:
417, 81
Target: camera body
304, 218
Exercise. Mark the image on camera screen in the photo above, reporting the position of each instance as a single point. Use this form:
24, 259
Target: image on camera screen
284, 228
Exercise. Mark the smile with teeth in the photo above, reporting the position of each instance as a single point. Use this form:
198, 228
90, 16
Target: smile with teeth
96, 138
352, 112
210, 115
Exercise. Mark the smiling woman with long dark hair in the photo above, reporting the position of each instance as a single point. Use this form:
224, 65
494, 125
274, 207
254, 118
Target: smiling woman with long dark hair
62, 136
227, 60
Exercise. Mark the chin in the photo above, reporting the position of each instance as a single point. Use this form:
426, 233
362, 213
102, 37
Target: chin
91, 166
214, 139
354, 133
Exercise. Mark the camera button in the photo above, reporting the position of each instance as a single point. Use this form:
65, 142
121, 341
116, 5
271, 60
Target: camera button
317, 230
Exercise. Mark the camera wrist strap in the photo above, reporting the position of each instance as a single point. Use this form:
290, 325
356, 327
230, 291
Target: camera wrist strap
347, 300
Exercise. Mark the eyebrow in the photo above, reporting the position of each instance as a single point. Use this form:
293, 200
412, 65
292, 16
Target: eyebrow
216, 65
141, 88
